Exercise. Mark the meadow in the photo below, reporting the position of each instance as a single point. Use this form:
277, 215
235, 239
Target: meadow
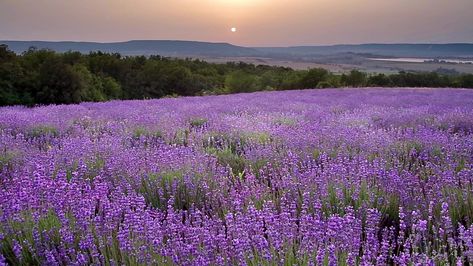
305, 177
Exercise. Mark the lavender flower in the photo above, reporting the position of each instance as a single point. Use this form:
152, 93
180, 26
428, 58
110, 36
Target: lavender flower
362, 176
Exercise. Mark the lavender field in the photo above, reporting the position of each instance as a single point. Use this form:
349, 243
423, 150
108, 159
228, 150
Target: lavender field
314, 177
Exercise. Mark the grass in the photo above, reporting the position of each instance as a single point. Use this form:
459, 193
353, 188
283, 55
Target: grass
7, 159
42, 131
159, 188
181, 137
227, 157
285, 121
198, 122
140, 132
142, 136
229, 149
460, 205
339, 197
47, 226
220, 141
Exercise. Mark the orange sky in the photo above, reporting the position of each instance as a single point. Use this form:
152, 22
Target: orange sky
258, 22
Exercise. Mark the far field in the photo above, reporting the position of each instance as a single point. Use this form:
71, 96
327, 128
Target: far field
345, 63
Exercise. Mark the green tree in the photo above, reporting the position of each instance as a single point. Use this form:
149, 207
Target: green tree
292, 80
44, 76
90, 86
466, 81
313, 77
150, 80
179, 80
355, 78
8, 94
379, 80
60, 83
240, 81
12, 79
111, 88
272, 79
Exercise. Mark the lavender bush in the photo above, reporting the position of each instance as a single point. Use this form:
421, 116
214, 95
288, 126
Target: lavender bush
314, 177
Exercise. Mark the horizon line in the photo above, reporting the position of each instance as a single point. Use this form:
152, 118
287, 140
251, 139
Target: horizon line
258, 46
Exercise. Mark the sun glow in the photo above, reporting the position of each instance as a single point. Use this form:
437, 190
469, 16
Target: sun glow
240, 3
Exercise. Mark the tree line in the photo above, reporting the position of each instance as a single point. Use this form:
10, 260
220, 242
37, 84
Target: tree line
46, 77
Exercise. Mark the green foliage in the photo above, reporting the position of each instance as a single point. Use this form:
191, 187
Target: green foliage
144, 137
94, 166
229, 149
219, 141
341, 196
42, 130
48, 225
466, 81
46, 77
143, 132
158, 188
428, 79
354, 79
59, 82
460, 205
13, 82
272, 79
7, 159
240, 81
258, 137
181, 137
285, 121
48, 228
227, 157
379, 80
198, 122
313, 77
325, 84
111, 88
92, 87
316, 154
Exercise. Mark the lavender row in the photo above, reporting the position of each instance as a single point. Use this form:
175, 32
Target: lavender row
313, 177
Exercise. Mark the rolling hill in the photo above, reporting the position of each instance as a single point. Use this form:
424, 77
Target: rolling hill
138, 47
195, 48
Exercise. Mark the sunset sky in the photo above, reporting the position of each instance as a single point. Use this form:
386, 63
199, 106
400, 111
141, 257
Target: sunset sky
257, 22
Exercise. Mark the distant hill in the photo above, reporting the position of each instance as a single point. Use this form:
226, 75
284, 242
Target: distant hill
194, 48
161, 47
395, 50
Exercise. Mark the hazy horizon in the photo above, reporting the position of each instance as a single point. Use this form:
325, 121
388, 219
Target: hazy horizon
257, 22
248, 46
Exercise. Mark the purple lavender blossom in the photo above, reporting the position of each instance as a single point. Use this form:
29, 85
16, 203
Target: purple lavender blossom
314, 177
